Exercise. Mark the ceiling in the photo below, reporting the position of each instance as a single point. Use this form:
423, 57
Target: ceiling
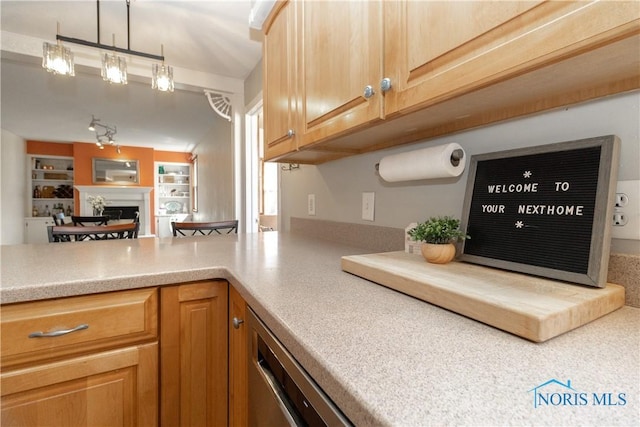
208, 43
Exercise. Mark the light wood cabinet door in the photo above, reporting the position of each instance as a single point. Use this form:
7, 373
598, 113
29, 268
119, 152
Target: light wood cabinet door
426, 43
340, 54
438, 50
194, 354
238, 360
279, 82
111, 388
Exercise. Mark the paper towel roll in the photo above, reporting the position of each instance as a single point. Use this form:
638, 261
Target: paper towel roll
443, 161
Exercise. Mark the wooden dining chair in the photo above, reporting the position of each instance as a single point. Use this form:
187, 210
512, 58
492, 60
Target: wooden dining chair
82, 221
67, 233
203, 228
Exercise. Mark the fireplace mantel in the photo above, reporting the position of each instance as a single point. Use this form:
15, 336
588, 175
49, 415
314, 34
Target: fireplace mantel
122, 195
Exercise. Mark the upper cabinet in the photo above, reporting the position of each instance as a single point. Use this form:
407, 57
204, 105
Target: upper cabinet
339, 64
279, 85
371, 75
438, 49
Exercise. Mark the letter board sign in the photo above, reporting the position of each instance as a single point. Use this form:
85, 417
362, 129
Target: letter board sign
543, 210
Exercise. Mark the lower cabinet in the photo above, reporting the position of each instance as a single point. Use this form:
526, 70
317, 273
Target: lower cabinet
238, 360
194, 354
163, 224
35, 229
81, 361
171, 356
112, 388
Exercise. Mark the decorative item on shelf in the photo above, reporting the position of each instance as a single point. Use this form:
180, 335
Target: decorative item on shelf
173, 207
63, 192
47, 192
98, 204
438, 235
55, 175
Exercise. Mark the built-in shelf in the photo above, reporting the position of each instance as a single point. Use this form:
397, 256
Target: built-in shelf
172, 188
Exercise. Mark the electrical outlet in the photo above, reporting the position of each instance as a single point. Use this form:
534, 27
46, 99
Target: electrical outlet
620, 219
626, 212
622, 200
311, 204
368, 203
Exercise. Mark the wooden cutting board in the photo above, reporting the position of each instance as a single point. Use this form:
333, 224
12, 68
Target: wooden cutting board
532, 307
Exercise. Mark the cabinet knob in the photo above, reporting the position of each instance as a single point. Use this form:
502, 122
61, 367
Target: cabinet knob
237, 322
368, 91
290, 133
385, 84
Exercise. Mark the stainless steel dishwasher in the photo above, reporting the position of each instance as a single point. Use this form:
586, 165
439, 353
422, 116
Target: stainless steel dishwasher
281, 393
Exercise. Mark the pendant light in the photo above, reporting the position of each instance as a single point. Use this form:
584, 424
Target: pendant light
162, 75
57, 59
114, 68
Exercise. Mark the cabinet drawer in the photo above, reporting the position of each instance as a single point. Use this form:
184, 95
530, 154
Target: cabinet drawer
112, 319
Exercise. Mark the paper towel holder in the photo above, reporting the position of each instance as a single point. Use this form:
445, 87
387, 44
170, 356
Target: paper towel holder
456, 156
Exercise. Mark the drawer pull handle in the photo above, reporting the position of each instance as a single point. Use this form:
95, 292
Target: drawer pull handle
58, 333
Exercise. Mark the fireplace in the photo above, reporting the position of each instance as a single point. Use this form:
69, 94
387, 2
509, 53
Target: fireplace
129, 198
128, 212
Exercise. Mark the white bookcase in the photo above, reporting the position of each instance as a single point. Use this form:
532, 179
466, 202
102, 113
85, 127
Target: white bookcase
50, 182
172, 194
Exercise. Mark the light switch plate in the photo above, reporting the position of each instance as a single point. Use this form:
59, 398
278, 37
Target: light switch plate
311, 204
368, 203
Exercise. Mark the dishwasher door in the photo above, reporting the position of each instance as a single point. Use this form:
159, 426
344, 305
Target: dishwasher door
281, 393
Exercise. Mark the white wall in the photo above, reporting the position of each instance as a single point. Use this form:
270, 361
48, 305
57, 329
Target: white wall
215, 153
13, 188
338, 185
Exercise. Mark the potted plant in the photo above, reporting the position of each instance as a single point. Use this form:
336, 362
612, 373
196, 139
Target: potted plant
438, 235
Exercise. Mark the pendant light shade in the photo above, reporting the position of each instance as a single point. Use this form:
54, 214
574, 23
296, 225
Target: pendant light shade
114, 69
57, 59
162, 77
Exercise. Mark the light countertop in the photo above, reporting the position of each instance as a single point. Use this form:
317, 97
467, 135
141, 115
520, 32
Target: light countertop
384, 358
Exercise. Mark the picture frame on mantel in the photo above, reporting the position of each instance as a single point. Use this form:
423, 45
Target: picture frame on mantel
545, 210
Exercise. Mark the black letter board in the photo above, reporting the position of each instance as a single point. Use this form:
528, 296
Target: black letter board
543, 210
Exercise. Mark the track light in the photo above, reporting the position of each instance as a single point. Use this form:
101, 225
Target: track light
107, 135
92, 125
